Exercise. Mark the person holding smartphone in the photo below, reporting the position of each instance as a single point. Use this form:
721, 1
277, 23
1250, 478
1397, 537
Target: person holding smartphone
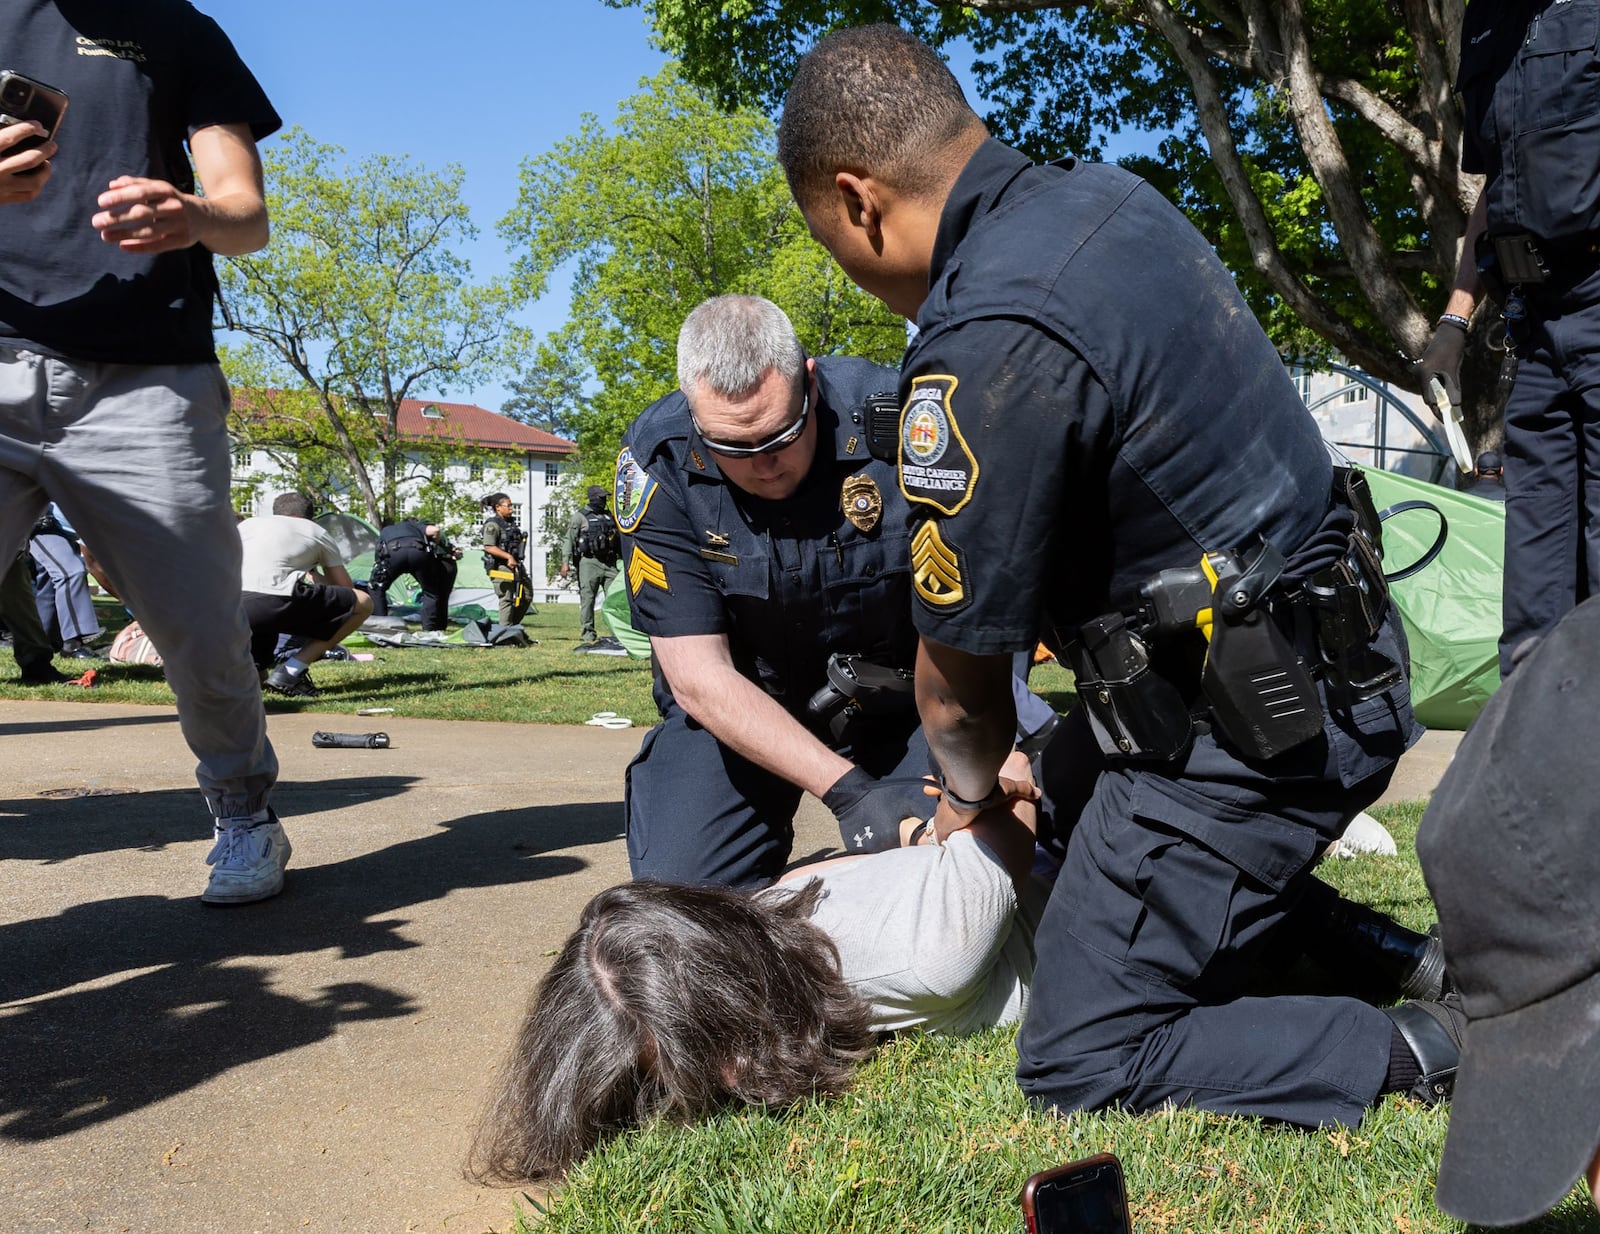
111, 400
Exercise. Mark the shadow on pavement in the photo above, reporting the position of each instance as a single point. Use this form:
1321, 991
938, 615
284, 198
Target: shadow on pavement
90, 722
88, 1055
113, 818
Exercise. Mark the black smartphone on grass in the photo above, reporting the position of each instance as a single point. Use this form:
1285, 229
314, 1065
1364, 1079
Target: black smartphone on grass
1082, 1197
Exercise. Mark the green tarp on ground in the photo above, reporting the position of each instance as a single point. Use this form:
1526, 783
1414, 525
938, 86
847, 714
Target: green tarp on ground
614, 608
1451, 608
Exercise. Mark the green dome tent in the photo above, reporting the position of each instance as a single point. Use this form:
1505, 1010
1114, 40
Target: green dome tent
1451, 607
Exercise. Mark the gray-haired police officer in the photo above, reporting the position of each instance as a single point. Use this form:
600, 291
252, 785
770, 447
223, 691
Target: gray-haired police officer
1095, 434
761, 540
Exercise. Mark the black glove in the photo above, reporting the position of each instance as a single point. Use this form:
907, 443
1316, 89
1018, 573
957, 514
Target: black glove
869, 811
1441, 362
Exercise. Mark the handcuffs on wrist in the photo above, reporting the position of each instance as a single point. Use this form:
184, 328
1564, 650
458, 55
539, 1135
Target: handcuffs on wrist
988, 801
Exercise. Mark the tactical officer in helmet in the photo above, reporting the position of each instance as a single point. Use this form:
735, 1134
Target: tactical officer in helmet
766, 557
1102, 448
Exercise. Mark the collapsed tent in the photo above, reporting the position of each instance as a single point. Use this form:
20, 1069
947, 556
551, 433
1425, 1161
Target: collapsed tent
614, 608
357, 541
1451, 607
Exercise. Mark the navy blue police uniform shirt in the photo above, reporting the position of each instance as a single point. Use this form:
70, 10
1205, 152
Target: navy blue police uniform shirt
140, 78
789, 582
1529, 81
1088, 400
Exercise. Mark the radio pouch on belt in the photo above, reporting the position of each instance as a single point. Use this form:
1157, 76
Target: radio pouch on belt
1262, 696
1134, 712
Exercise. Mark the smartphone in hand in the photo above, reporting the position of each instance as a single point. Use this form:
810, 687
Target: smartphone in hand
1083, 1197
23, 99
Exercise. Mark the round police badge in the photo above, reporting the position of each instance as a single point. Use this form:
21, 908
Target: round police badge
925, 428
862, 502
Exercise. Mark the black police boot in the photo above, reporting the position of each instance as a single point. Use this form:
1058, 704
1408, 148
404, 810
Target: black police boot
1432, 1032
1376, 954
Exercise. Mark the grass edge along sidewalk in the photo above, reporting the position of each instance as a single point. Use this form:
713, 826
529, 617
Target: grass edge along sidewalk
936, 1136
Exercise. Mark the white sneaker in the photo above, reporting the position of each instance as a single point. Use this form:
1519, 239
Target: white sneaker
247, 863
1364, 835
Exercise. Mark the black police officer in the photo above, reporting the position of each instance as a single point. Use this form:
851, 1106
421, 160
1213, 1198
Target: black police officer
760, 538
1530, 86
415, 547
1087, 402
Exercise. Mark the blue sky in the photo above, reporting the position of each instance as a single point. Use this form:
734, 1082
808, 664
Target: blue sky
483, 83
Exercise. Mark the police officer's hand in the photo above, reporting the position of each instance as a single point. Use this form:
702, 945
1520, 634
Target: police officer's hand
566, 569
869, 811
950, 818
1440, 365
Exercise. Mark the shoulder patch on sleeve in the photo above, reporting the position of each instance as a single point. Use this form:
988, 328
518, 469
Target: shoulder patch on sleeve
937, 468
937, 573
631, 493
642, 569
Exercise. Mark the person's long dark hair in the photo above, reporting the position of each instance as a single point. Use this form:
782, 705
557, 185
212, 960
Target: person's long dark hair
669, 1002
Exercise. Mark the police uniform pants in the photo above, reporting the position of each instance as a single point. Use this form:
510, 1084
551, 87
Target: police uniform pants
1173, 891
138, 459
1552, 463
593, 577
436, 577
699, 813
64, 597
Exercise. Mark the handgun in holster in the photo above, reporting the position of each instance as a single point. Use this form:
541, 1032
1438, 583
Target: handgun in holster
857, 687
1261, 693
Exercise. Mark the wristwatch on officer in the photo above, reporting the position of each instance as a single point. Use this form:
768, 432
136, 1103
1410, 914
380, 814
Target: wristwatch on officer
995, 796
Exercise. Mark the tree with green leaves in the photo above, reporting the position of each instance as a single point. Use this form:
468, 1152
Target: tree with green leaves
1316, 143
672, 204
361, 300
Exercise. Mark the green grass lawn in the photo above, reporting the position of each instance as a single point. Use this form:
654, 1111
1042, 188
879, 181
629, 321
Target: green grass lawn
936, 1136
547, 684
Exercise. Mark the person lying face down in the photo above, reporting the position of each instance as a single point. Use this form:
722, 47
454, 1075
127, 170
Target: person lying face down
672, 1001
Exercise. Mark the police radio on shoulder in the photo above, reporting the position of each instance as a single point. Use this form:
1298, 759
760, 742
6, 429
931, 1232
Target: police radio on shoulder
995, 796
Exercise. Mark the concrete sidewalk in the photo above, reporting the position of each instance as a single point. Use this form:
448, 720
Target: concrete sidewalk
313, 1062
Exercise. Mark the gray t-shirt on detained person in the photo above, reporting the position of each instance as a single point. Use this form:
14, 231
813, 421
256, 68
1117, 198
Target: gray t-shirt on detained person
931, 937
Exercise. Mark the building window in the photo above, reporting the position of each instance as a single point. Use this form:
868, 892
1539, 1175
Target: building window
475, 469
242, 456
516, 512
1302, 384
436, 470
1354, 394
552, 474
432, 412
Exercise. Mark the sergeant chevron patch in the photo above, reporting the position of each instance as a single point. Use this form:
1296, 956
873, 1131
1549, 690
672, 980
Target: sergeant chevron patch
642, 569
936, 574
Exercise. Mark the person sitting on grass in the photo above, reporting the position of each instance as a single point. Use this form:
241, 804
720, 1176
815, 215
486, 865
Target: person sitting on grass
295, 582
672, 1001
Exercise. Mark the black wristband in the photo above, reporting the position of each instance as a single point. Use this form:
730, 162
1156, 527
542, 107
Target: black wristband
988, 801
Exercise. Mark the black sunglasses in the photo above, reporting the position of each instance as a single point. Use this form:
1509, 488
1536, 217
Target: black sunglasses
782, 440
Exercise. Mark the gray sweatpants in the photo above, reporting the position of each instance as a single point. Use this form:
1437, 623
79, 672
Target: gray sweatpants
138, 459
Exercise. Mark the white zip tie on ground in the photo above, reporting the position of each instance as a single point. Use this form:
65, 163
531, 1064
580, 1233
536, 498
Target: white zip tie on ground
608, 719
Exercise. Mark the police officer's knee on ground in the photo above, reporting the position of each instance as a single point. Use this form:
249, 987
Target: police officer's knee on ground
761, 540
1154, 500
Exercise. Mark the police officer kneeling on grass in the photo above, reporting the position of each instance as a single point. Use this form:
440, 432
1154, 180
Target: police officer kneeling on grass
1102, 447
504, 544
418, 548
766, 557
